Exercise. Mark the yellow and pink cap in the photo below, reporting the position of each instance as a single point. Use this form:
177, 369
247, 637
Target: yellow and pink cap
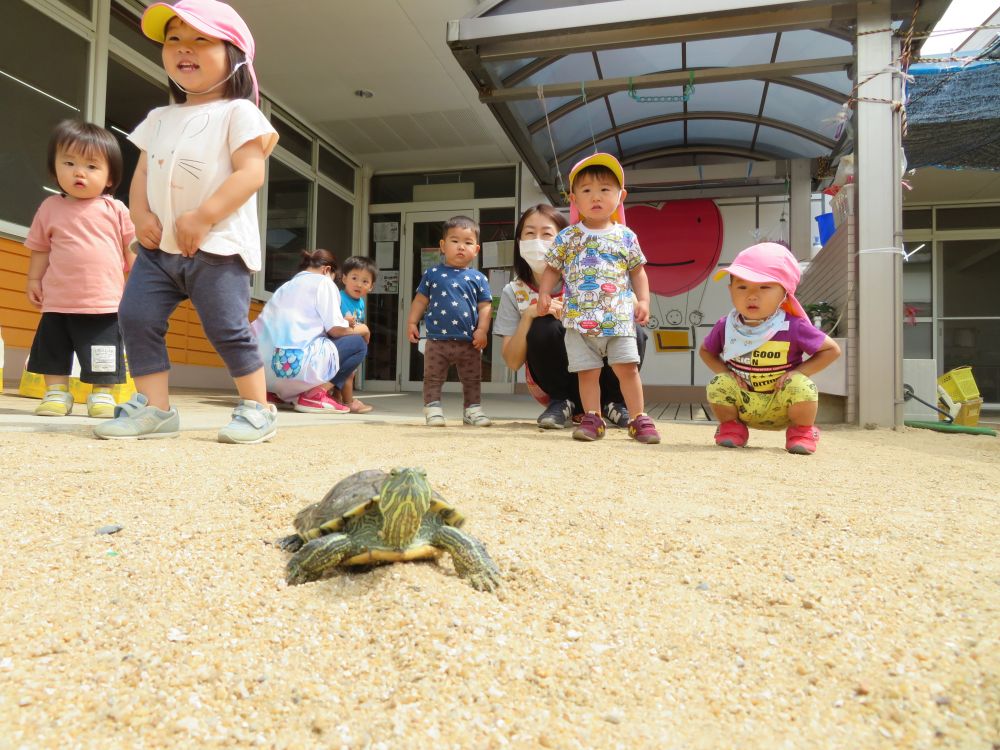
598, 160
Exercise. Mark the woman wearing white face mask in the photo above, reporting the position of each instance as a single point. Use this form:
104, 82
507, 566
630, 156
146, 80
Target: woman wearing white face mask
537, 341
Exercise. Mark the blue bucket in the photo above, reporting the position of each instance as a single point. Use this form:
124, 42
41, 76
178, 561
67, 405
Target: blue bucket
826, 227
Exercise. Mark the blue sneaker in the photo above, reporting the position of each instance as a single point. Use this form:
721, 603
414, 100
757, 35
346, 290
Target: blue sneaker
252, 423
137, 420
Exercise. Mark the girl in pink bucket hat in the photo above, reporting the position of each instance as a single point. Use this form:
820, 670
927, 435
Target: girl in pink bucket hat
194, 204
762, 379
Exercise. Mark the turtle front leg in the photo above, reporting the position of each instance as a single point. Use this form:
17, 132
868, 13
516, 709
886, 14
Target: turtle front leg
470, 557
317, 557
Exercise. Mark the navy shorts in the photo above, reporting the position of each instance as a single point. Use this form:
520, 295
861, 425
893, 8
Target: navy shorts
218, 287
95, 339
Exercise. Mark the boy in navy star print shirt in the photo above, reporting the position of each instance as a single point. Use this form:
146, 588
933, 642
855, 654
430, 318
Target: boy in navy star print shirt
454, 300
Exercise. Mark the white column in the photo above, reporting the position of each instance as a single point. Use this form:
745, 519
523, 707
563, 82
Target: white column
879, 273
799, 219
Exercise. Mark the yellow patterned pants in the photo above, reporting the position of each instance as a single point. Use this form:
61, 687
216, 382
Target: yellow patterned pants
762, 411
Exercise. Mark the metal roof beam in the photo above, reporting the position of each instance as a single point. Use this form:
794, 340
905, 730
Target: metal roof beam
598, 88
515, 37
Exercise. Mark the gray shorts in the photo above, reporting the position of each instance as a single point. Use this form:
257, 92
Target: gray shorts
589, 352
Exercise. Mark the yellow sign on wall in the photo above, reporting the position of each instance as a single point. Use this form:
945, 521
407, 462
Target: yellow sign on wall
673, 339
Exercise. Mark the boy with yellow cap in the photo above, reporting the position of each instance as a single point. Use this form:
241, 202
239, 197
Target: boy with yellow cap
757, 350
601, 262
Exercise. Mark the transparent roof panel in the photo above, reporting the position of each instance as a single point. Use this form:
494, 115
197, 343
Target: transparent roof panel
568, 69
732, 96
608, 146
721, 131
637, 61
811, 45
732, 51
503, 68
800, 108
838, 80
787, 145
578, 126
530, 110
655, 136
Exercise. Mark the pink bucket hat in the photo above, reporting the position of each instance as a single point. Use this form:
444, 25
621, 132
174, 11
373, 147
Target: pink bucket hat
594, 160
209, 17
765, 262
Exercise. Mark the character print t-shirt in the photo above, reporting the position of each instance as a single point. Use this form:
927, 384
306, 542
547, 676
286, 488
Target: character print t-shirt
351, 306
453, 298
189, 152
595, 265
765, 364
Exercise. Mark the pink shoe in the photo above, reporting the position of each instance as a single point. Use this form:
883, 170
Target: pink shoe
316, 400
801, 440
272, 398
732, 434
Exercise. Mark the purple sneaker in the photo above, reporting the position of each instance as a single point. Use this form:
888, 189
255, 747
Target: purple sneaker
591, 428
643, 430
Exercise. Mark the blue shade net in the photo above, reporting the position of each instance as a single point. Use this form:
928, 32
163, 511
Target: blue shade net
953, 115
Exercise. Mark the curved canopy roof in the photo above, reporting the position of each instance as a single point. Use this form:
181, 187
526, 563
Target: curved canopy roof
714, 81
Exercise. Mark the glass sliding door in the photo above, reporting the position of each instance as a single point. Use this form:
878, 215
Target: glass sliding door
970, 316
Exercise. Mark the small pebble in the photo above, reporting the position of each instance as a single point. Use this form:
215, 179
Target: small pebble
614, 716
789, 577
942, 700
111, 529
702, 586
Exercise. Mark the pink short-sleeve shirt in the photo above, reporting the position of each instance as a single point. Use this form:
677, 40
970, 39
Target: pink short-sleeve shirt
87, 242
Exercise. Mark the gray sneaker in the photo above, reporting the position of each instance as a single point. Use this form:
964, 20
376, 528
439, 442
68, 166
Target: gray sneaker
557, 415
252, 423
137, 420
434, 414
474, 415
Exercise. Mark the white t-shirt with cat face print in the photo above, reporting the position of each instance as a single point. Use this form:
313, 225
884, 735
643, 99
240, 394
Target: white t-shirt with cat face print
189, 155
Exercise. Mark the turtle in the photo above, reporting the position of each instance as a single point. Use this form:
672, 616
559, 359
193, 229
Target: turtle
373, 517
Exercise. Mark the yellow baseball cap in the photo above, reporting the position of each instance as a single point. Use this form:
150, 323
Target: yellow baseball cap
595, 160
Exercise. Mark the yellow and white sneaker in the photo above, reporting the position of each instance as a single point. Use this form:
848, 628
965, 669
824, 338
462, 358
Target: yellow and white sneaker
57, 402
101, 404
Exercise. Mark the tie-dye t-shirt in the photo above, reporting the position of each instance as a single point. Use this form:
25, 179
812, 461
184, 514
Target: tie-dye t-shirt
595, 265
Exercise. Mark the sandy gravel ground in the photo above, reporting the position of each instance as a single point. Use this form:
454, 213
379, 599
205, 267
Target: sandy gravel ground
677, 596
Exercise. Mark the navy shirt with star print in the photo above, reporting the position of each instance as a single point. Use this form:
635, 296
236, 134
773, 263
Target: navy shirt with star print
453, 298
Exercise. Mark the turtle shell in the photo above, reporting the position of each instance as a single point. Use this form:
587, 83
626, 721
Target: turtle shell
351, 497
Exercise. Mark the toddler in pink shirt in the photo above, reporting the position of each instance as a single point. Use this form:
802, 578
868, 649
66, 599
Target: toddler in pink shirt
79, 242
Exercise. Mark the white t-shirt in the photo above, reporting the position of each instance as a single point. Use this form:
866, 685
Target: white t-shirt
189, 155
302, 309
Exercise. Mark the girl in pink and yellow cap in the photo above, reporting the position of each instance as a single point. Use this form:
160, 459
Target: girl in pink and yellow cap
193, 201
762, 378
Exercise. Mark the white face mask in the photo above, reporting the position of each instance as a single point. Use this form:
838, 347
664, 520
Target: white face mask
533, 252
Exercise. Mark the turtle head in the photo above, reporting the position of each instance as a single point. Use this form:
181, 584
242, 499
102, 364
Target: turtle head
404, 499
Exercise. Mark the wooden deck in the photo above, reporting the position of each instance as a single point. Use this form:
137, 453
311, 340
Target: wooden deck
680, 412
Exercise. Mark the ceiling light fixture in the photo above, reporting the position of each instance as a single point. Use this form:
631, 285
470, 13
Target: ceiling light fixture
364, 94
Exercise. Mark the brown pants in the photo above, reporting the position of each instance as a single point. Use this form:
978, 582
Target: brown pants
439, 356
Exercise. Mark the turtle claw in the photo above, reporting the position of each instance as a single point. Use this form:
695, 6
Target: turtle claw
291, 543
486, 580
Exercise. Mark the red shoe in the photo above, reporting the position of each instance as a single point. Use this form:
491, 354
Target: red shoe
801, 440
643, 430
272, 398
591, 428
317, 401
732, 434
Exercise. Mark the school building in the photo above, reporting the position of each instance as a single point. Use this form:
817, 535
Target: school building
730, 117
